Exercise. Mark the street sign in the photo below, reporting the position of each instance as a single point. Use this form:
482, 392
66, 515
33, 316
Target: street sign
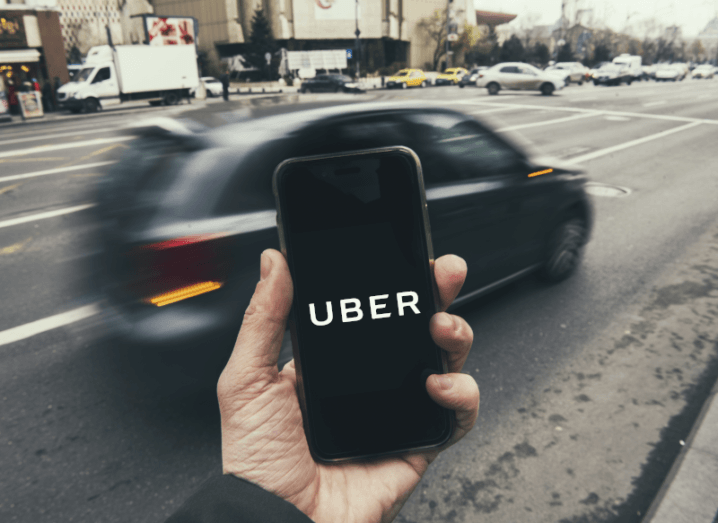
349, 54
453, 37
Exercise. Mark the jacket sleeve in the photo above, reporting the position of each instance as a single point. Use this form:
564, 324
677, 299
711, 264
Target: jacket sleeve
226, 499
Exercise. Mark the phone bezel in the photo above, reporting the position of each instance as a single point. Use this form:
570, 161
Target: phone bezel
416, 163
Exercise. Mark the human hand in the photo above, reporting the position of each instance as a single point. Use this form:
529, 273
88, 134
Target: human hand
263, 438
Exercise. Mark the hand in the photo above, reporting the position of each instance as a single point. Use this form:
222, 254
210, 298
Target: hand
263, 437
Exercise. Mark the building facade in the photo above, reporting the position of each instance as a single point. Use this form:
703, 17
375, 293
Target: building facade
389, 29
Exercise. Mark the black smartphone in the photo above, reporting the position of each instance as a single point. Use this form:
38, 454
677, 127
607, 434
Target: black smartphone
355, 231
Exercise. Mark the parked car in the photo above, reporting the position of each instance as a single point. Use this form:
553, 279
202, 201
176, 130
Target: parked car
330, 83
569, 72
670, 73
451, 76
518, 76
185, 214
407, 78
632, 63
471, 77
649, 72
703, 71
211, 85
612, 74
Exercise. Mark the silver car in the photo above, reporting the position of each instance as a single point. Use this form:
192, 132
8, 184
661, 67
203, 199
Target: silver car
518, 76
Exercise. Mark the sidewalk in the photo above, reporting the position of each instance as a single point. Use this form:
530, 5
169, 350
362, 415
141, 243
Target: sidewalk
690, 491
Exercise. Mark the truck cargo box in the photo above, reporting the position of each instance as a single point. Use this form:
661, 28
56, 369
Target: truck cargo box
142, 68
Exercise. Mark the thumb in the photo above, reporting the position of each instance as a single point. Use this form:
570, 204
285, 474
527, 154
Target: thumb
256, 351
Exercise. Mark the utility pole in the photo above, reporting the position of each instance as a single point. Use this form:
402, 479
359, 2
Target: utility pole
357, 43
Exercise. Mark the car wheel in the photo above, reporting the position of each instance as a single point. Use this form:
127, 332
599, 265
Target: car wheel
404, 85
628, 82
547, 89
461, 85
171, 98
563, 251
493, 88
91, 105
595, 82
580, 82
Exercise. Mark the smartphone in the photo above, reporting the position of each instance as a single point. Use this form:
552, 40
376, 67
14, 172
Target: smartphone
354, 229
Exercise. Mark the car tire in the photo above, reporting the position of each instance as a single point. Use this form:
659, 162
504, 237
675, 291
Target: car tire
493, 88
462, 85
171, 98
580, 82
595, 82
91, 105
547, 89
404, 85
563, 250
628, 82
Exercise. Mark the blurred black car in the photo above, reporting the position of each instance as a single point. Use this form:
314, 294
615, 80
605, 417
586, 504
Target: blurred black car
185, 215
330, 83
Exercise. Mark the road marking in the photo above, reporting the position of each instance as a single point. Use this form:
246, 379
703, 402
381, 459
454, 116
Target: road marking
545, 122
10, 249
607, 113
25, 160
45, 215
632, 143
9, 188
653, 104
616, 118
95, 153
497, 110
56, 136
57, 147
54, 171
46, 324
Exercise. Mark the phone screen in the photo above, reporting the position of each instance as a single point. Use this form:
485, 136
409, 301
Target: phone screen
356, 245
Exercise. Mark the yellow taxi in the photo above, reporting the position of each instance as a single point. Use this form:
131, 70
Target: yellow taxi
451, 76
407, 78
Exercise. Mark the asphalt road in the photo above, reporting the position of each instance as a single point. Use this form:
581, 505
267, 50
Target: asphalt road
587, 387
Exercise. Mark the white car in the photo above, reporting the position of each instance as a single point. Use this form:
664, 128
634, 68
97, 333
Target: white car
211, 85
703, 71
669, 73
569, 72
518, 76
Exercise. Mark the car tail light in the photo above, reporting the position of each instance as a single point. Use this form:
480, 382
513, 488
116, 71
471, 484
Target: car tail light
178, 269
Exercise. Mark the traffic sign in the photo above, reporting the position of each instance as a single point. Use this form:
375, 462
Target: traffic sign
453, 37
349, 54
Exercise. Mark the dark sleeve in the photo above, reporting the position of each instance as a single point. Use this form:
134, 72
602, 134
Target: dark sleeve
226, 499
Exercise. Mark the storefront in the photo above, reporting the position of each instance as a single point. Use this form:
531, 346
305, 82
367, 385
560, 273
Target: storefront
30, 47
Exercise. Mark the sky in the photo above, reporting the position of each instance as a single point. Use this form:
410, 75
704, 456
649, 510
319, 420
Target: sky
691, 15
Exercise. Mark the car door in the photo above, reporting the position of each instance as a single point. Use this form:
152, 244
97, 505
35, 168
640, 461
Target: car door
526, 79
474, 207
508, 77
105, 85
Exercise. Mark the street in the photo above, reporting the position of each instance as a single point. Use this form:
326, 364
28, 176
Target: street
587, 387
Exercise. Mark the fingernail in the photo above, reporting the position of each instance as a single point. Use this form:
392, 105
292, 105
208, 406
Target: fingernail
444, 320
265, 266
444, 381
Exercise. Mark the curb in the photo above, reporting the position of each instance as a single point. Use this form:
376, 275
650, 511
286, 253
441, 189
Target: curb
658, 510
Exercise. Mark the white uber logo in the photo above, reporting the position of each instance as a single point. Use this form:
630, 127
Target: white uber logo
351, 310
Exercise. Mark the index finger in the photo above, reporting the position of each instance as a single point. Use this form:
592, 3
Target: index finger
449, 273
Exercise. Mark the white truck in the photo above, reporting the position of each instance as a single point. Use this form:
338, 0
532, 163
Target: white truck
632, 63
161, 74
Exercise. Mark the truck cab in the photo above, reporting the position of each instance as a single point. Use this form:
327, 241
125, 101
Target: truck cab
94, 85
632, 63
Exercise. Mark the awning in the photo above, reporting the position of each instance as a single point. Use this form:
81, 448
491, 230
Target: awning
21, 56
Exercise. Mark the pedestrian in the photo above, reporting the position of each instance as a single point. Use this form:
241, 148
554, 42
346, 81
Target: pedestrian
12, 96
269, 474
224, 78
35, 85
48, 97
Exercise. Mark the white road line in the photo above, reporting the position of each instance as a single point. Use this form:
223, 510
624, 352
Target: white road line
632, 143
497, 110
46, 324
653, 104
45, 215
615, 113
54, 171
56, 136
61, 146
546, 122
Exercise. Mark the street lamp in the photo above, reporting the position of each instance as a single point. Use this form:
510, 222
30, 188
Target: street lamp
357, 44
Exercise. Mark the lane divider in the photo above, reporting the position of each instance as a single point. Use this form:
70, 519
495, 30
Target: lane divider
56, 170
45, 215
46, 324
547, 122
62, 146
632, 143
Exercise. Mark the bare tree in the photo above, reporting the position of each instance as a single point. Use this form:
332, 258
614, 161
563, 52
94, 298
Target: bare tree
434, 27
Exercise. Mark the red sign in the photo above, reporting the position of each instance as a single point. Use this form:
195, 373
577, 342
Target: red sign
170, 30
